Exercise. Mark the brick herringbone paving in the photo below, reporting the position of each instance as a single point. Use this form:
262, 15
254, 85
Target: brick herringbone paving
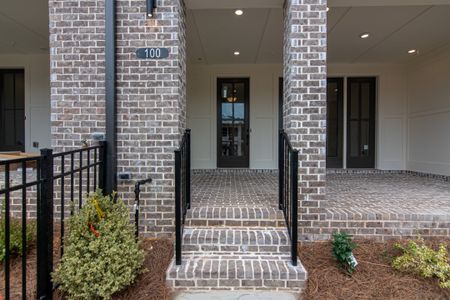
235, 237
387, 205
388, 193
235, 189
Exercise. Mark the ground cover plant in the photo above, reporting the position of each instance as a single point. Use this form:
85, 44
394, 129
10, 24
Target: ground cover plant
15, 237
101, 255
15, 234
375, 278
423, 260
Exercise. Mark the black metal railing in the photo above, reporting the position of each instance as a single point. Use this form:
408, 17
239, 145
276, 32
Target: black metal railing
74, 174
182, 189
288, 189
8, 188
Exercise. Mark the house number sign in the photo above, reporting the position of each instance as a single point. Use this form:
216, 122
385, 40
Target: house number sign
152, 53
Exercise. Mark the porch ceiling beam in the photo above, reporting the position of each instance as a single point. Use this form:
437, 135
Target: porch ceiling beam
233, 4
359, 3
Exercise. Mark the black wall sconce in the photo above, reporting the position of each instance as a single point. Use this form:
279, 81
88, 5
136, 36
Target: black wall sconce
151, 5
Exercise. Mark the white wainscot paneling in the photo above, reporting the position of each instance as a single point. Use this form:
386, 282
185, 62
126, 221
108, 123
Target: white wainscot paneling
390, 144
429, 143
262, 143
201, 143
40, 120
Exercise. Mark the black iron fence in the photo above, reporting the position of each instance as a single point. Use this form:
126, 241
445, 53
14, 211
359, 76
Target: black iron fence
68, 175
288, 188
182, 190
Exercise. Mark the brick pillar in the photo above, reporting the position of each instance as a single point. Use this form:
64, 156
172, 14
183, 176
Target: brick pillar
151, 106
77, 71
151, 98
304, 108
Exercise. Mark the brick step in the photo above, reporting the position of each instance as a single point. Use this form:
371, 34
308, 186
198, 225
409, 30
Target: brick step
221, 272
236, 240
235, 216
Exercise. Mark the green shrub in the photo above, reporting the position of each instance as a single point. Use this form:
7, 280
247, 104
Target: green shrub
420, 259
15, 236
342, 251
101, 256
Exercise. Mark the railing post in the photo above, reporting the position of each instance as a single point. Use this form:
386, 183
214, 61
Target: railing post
280, 168
45, 227
102, 168
178, 208
294, 206
188, 168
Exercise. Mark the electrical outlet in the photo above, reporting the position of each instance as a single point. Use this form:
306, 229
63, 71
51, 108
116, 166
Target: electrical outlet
36, 144
124, 176
98, 136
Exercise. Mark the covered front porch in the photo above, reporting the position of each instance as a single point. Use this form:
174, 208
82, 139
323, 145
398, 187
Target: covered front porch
371, 203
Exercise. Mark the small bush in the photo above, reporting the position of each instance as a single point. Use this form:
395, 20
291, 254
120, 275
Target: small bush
420, 259
15, 236
101, 256
342, 251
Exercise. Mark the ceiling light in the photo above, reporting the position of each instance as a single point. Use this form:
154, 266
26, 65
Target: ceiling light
328, 9
365, 35
412, 51
236, 53
239, 12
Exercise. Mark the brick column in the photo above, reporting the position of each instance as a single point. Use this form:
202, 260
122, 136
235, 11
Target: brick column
151, 106
77, 71
151, 100
304, 108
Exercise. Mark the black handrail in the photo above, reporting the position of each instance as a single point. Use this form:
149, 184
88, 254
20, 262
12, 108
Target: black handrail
288, 188
182, 190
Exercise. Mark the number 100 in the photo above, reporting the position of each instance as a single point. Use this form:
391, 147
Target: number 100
153, 53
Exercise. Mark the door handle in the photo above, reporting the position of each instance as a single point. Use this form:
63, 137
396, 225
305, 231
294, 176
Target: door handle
248, 135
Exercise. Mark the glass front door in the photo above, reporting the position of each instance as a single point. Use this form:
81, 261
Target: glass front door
233, 123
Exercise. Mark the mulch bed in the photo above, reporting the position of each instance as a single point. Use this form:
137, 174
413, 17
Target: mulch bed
149, 285
374, 277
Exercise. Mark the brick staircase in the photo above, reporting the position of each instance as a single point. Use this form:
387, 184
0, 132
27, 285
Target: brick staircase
236, 248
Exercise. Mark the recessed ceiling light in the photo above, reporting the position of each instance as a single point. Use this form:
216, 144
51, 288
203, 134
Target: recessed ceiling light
236, 53
239, 12
364, 35
412, 51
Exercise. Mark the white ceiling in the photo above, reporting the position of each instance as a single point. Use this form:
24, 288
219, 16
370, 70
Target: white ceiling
214, 34
23, 26
393, 31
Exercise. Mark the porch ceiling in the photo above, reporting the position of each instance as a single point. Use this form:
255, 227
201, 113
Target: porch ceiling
24, 26
214, 34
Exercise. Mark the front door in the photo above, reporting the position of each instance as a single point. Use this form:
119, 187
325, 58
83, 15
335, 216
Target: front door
233, 122
12, 110
361, 122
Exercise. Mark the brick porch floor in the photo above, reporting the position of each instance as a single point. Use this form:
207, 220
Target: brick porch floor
386, 205
372, 193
